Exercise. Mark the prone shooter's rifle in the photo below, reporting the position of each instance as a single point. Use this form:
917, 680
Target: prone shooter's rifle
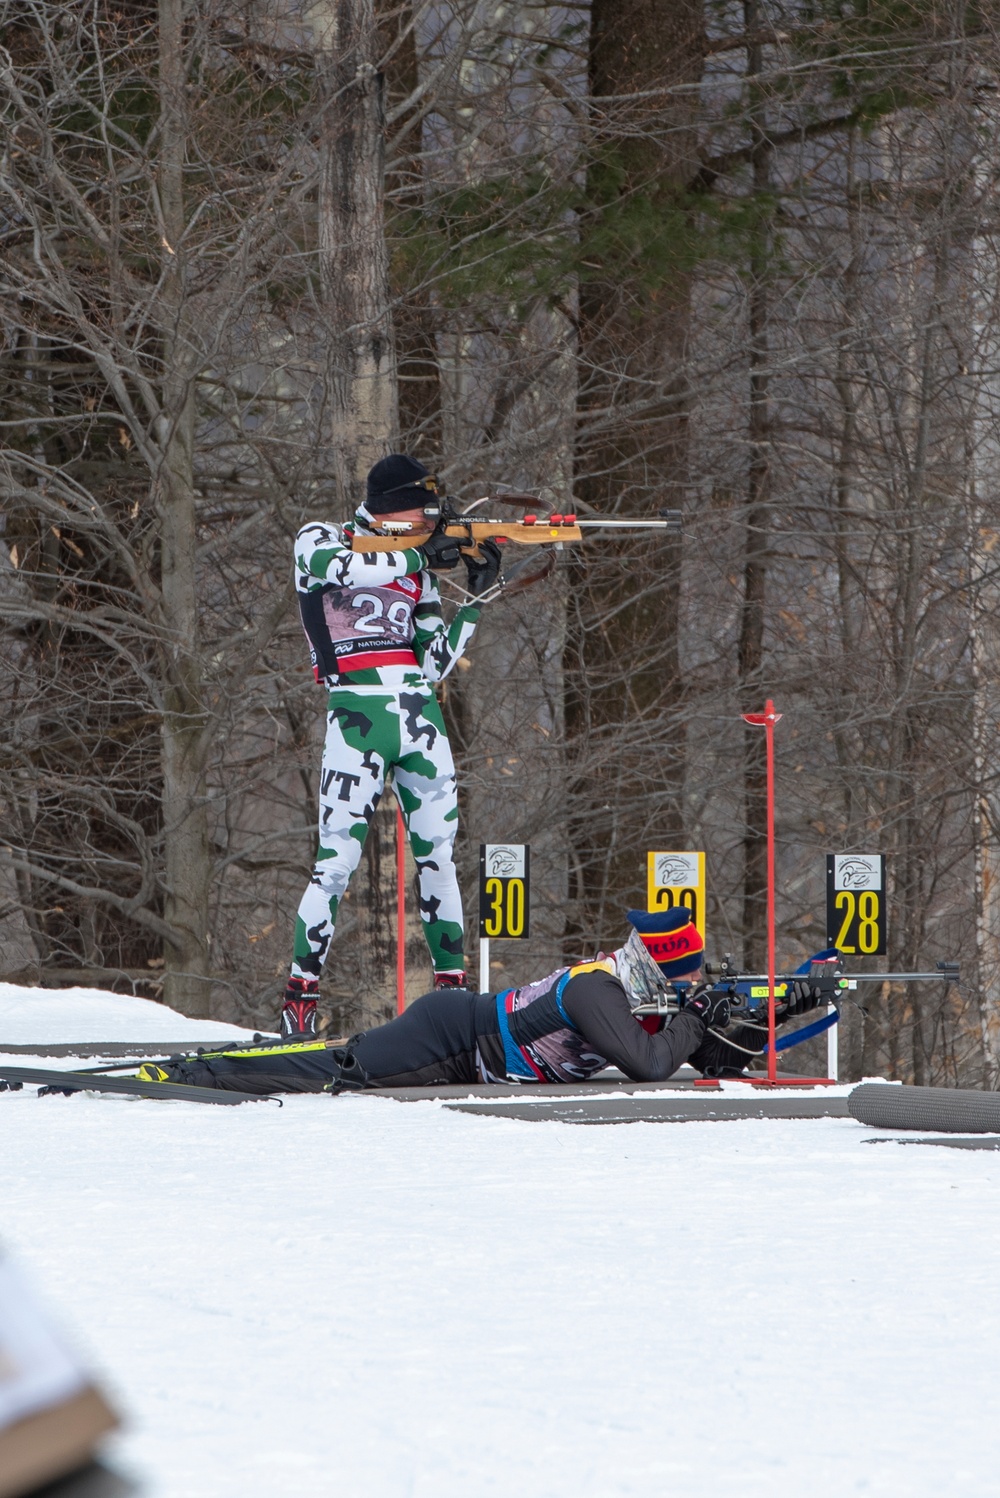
537, 526
748, 992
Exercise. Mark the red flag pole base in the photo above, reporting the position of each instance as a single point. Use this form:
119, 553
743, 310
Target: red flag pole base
765, 1083
780, 1082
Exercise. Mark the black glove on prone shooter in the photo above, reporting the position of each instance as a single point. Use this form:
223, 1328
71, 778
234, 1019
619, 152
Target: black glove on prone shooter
440, 552
711, 1006
800, 997
483, 571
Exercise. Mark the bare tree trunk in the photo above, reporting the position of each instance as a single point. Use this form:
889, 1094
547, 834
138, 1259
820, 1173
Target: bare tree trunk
414, 315
354, 270
849, 601
354, 281
751, 639
905, 1002
846, 464
983, 605
187, 865
624, 712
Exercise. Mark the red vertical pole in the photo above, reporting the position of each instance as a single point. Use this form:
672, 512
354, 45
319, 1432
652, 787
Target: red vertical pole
767, 720
772, 1052
400, 911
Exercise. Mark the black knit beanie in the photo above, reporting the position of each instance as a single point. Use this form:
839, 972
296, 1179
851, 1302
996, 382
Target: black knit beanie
391, 485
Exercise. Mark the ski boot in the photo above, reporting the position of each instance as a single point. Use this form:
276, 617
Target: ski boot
298, 1009
187, 1070
451, 980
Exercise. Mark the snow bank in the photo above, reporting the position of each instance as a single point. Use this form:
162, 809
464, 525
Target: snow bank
374, 1299
50, 1016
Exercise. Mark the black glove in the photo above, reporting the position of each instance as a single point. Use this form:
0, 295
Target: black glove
440, 552
711, 1005
483, 571
800, 997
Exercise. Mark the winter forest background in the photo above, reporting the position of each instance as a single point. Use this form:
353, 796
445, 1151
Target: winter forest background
741, 259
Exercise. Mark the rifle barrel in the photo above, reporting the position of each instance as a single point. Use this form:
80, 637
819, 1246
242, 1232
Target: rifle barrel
631, 525
949, 976
945, 977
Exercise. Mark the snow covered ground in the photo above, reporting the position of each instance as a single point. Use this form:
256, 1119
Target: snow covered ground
375, 1299
43, 1016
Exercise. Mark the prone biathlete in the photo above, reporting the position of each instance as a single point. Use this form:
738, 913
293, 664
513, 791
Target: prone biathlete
379, 642
566, 1027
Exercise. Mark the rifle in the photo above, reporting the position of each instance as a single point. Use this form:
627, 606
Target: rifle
748, 992
531, 529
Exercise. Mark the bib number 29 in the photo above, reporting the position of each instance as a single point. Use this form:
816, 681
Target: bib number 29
380, 620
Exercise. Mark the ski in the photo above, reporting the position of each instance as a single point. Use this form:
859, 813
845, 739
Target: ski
213, 1052
14, 1078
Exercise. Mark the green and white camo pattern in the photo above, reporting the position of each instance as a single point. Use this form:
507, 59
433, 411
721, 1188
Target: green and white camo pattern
387, 721
323, 555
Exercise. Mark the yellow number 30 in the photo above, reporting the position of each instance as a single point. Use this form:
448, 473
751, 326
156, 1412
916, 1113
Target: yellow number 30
506, 901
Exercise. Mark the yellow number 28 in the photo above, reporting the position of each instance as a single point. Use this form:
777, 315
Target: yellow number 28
866, 908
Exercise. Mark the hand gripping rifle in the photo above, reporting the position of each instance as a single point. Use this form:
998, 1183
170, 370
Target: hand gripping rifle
748, 992
536, 526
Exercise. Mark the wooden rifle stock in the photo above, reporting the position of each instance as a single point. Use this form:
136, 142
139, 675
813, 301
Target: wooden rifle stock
471, 532
530, 530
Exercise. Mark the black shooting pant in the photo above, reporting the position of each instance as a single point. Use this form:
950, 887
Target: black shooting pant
431, 1043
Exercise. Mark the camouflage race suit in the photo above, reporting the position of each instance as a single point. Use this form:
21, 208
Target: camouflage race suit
378, 641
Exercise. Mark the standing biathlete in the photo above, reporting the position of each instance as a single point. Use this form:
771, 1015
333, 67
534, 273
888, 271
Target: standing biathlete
379, 642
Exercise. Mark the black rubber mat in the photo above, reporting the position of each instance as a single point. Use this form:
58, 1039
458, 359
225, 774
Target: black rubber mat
685, 1081
947, 1110
657, 1108
980, 1142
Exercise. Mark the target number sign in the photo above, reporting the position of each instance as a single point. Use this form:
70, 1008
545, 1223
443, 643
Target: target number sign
674, 879
855, 903
504, 890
